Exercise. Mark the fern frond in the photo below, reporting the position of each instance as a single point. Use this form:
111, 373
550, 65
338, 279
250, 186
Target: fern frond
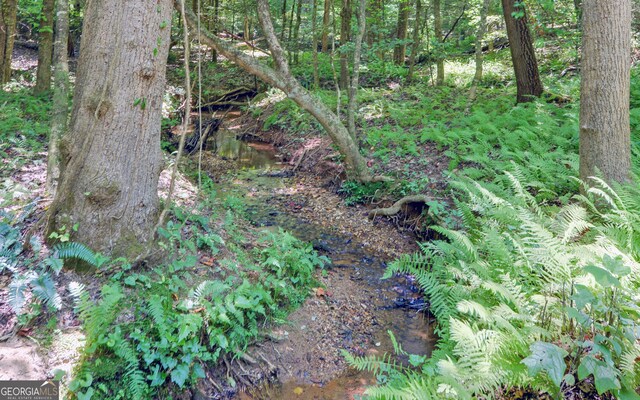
75, 250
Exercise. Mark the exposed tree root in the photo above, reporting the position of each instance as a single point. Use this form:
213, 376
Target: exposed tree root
397, 206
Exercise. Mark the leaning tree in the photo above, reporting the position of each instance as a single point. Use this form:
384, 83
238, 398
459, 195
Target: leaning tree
110, 158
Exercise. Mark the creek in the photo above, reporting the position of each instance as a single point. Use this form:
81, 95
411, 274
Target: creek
353, 282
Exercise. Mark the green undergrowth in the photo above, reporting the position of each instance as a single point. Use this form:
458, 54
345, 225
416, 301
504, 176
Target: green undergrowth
156, 331
24, 128
529, 295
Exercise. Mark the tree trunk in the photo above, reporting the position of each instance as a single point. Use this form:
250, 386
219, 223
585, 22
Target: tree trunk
326, 20
296, 32
482, 27
111, 157
216, 27
437, 27
345, 37
314, 42
281, 78
45, 48
577, 6
353, 87
604, 93
9, 10
416, 41
400, 50
525, 65
284, 20
60, 116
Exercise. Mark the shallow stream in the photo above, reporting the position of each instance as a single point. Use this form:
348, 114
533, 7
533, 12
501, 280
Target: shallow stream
393, 304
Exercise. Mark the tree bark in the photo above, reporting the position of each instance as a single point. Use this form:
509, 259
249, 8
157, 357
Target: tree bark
314, 42
345, 37
9, 10
326, 20
353, 87
281, 78
296, 32
604, 93
59, 119
416, 41
482, 27
111, 157
523, 56
284, 20
437, 27
400, 50
45, 48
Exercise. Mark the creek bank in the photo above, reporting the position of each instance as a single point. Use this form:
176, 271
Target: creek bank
352, 309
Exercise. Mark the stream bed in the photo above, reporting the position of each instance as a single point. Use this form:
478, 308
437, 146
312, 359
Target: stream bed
353, 309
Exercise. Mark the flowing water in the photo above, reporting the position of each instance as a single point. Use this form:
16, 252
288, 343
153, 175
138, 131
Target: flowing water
395, 302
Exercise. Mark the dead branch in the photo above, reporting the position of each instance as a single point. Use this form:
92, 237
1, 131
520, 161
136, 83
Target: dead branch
397, 206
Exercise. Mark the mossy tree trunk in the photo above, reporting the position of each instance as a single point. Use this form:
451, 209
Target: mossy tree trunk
525, 65
8, 15
60, 107
111, 157
45, 47
604, 94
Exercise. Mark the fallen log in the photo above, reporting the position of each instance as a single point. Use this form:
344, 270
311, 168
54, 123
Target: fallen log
397, 206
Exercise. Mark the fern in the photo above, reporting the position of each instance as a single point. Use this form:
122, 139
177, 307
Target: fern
75, 250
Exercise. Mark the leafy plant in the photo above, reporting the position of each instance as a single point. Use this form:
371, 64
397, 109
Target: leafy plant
531, 295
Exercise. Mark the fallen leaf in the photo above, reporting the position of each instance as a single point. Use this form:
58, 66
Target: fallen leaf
298, 390
319, 291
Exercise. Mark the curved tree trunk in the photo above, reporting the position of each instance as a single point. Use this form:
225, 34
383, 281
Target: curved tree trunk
60, 94
604, 93
8, 15
111, 157
282, 79
525, 65
45, 48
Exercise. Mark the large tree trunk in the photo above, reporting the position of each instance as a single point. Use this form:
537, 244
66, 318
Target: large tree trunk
282, 79
60, 94
604, 93
45, 48
8, 14
525, 65
400, 50
111, 157
437, 28
326, 21
345, 37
